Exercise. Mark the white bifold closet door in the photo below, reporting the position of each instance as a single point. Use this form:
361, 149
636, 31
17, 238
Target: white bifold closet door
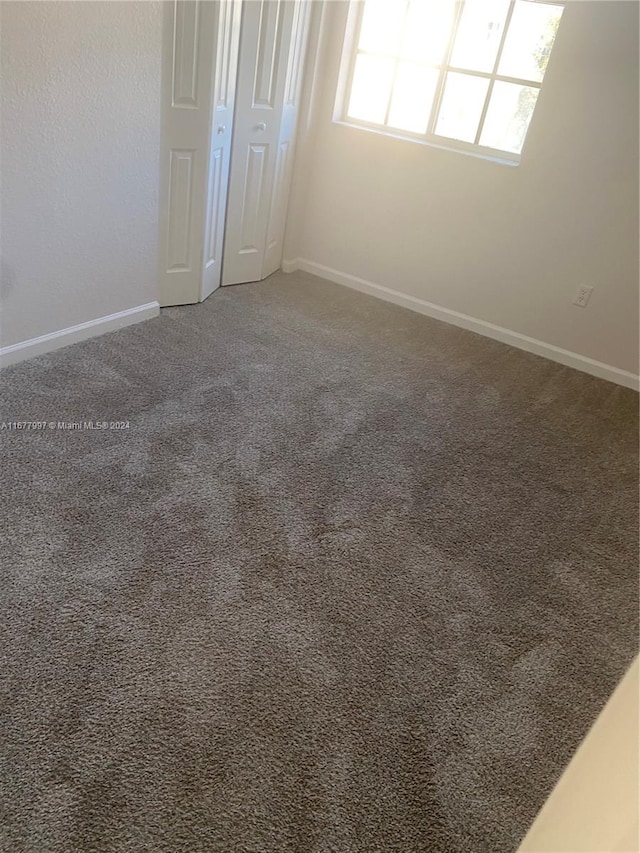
200, 59
225, 183
272, 48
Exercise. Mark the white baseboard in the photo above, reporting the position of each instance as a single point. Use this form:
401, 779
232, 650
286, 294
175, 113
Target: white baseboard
55, 340
481, 327
292, 265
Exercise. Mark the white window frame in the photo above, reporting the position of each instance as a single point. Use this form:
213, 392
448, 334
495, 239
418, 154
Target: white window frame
350, 52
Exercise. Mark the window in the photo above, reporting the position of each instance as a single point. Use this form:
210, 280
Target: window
463, 73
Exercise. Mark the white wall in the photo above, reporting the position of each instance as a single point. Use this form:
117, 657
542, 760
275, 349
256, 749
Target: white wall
594, 807
506, 245
80, 136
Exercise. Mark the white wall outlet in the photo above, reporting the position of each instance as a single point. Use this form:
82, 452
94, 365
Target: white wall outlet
583, 295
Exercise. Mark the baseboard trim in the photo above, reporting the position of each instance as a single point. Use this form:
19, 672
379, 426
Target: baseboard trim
472, 324
292, 265
62, 338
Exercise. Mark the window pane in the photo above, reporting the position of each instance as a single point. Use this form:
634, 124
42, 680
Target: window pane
370, 88
382, 22
428, 30
461, 106
412, 97
479, 33
532, 32
508, 116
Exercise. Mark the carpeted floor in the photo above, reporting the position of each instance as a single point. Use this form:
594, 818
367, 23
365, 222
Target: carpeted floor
352, 581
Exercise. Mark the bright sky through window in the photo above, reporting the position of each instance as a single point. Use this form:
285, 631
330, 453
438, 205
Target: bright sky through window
449, 70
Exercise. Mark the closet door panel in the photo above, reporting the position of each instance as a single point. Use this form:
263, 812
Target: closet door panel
262, 78
223, 105
200, 48
286, 143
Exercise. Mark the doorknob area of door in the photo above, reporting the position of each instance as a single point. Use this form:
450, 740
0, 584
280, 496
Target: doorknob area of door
261, 125
222, 128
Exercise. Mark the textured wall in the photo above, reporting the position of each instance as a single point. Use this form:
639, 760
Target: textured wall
506, 245
80, 128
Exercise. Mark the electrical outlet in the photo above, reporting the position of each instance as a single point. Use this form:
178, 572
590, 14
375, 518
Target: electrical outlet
583, 295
